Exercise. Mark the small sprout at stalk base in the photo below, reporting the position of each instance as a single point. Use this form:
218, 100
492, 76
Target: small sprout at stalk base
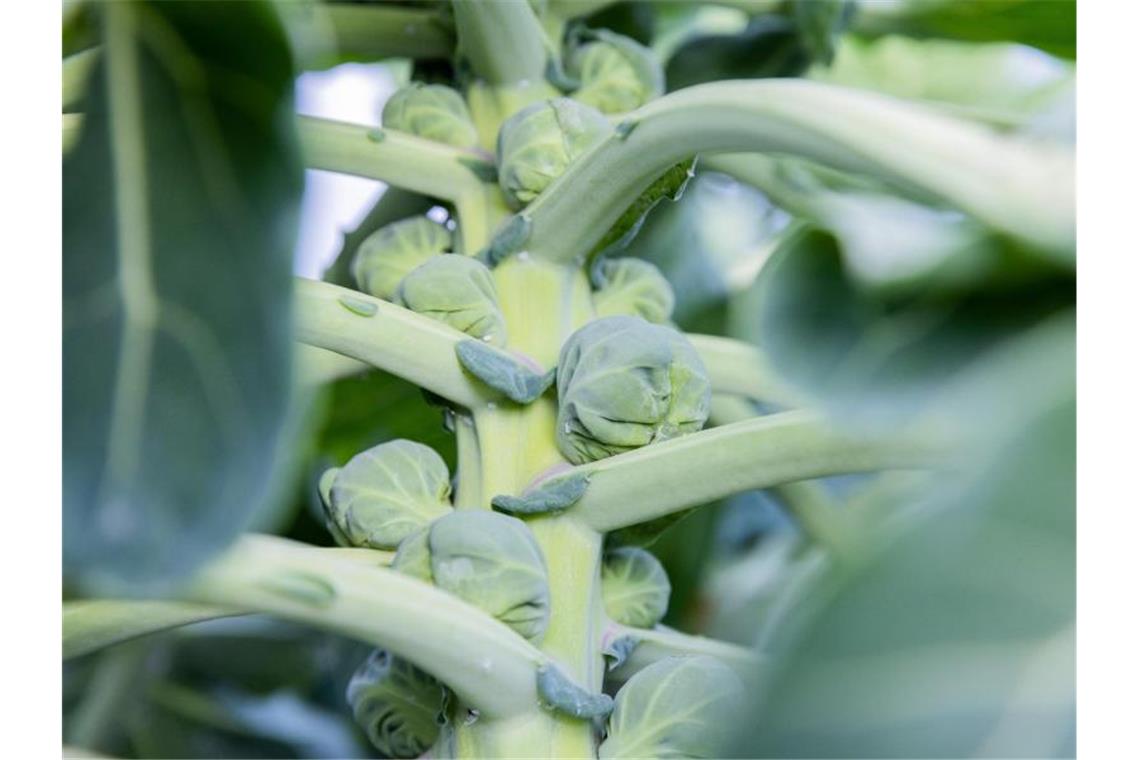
431, 111
633, 287
553, 495
503, 372
559, 693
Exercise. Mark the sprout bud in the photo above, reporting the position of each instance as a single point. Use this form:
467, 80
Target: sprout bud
387, 255
676, 707
617, 73
624, 383
458, 291
433, 112
635, 588
399, 706
413, 556
492, 561
538, 143
388, 492
633, 287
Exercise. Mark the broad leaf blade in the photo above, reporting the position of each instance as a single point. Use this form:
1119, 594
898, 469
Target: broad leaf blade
180, 207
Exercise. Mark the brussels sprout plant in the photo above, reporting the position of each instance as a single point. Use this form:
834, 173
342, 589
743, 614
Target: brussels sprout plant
563, 561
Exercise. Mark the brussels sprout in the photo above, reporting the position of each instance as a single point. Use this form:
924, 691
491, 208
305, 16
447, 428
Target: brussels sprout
634, 287
324, 489
492, 561
387, 255
538, 143
635, 588
386, 493
399, 706
676, 707
432, 111
617, 74
624, 383
413, 556
458, 291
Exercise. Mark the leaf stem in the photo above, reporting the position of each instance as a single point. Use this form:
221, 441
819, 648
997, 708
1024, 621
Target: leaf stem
387, 336
741, 369
1023, 189
487, 664
659, 642
702, 467
503, 41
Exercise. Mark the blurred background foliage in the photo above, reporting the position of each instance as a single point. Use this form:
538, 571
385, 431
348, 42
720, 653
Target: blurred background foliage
943, 626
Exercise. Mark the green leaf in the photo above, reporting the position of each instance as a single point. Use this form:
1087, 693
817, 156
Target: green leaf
769, 46
180, 207
820, 22
670, 185
1003, 84
958, 639
874, 356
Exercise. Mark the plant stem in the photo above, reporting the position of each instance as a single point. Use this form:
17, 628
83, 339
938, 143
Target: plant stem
503, 41
656, 643
76, 71
487, 664
702, 467
1023, 189
325, 34
112, 684
741, 369
405, 161
383, 335
469, 491
89, 625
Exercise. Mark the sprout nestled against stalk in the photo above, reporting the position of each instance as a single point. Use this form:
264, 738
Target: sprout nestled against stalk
538, 143
386, 256
635, 588
399, 706
632, 287
433, 112
624, 383
617, 74
458, 291
386, 493
676, 707
492, 561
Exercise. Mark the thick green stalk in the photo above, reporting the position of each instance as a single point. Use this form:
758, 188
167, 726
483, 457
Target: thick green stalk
324, 34
542, 304
91, 624
702, 467
1021, 188
503, 41
488, 665
383, 335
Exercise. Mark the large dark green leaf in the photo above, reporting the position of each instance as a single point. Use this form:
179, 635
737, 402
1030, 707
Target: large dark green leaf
180, 205
876, 356
770, 46
957, 640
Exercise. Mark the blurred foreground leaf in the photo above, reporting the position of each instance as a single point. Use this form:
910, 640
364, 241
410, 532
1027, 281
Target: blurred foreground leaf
180, 205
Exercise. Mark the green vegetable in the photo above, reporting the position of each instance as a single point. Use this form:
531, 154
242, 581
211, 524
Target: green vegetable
413, 556
432, 111
633, 287
538, 143
624, 383
386, 493
492, 561
676, 707
458, 291
399, 706
617, 74
386, 256
635, 588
